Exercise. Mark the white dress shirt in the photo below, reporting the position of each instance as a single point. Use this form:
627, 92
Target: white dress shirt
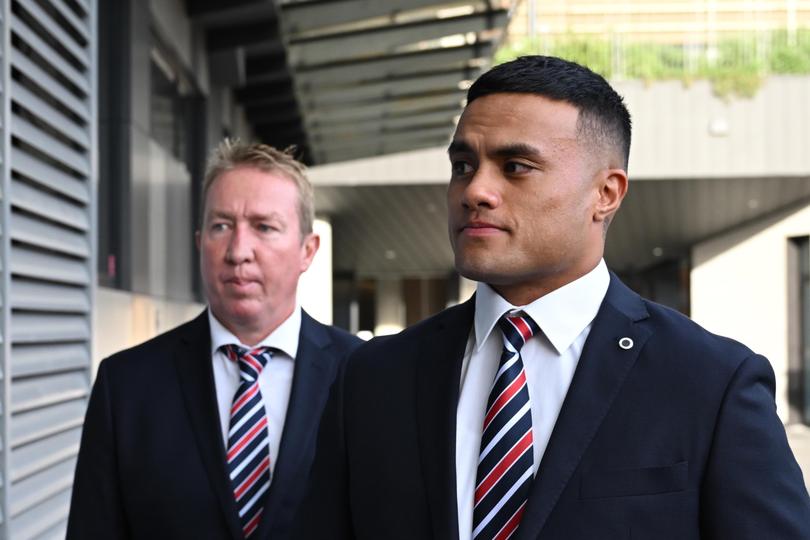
275, 380
550, 359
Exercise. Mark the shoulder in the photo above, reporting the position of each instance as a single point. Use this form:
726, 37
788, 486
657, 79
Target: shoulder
451, 324
690, 338
334, 338
673, 346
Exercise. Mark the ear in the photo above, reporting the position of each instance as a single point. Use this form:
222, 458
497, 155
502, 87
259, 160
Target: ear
612, 185
309, 247
197, 239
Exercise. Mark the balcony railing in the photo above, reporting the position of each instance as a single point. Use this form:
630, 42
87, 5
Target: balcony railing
735, 64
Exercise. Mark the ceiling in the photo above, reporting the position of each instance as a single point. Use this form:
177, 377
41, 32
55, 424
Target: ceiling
347, 79
402, 230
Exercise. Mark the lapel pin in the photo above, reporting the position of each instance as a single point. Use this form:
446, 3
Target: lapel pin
626, 343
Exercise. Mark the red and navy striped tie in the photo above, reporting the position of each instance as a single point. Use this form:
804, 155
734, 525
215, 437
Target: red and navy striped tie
248, 458
505, 463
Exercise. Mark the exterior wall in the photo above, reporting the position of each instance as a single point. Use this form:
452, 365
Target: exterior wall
739, 288
125, 319
679, 131
687, 132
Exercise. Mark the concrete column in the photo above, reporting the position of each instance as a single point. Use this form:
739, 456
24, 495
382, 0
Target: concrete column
390, 307
466, 288
315, 285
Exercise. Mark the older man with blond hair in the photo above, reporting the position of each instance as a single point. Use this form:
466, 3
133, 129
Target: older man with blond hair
208, 430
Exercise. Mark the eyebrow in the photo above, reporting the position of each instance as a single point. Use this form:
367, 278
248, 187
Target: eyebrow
223, 214
457, 147
506, 151
519, 149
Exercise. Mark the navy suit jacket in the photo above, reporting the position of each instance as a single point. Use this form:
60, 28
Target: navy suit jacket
675, 438
152, 461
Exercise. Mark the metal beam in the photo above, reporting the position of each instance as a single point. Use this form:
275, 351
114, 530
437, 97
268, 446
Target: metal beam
376, 41
387, 108
394, 137
330, 156
226, 11
304, 17
260, 114
350, 134
252, 32
266, 92
390, 89
391, 65
447, 116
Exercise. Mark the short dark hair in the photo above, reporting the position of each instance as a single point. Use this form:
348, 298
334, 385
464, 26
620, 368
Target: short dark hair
603, 116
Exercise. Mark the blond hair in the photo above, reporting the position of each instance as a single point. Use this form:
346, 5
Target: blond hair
233, 153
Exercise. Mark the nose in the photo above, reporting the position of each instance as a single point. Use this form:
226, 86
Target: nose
240, 246
481, 191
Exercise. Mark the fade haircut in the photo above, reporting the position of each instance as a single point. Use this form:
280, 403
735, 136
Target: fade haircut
603, 118
232, 153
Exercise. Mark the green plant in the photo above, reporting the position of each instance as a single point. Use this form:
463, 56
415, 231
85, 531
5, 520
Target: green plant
735, 65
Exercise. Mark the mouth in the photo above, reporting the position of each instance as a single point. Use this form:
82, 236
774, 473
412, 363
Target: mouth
238, 282
480, 228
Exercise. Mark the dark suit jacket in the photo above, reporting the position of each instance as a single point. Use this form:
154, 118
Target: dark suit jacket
675, 438
152, 460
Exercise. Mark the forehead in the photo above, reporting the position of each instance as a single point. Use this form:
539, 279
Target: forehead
252, 186
508, 118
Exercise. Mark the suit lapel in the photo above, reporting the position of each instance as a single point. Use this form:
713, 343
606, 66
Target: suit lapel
195, 373
601, 371
312, 377
438, 373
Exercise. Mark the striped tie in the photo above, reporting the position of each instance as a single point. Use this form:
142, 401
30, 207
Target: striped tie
505, 464
248, 451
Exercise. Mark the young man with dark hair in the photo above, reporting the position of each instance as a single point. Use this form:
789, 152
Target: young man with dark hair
557, 403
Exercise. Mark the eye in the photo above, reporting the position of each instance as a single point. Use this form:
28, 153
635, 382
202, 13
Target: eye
460, 168
515, 167
266, 227
219, 226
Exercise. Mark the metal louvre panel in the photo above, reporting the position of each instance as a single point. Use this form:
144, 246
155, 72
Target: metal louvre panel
34, 295
23, 162
40, 487
39, 358
49, 84
42, 422
48, 206
48, 247
49, 145
38, 456
48, 53
43, 519
52, 116
49, 267
34, 328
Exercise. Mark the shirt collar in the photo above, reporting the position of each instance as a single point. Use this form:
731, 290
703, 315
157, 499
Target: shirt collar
562, 314
284, 338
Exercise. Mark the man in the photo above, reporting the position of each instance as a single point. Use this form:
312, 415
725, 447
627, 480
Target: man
208, 431
618, 419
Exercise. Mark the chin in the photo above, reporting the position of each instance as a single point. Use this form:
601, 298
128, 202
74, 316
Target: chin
475, 270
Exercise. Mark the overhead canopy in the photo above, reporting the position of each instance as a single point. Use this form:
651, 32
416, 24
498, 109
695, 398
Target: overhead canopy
346, 79
401, 230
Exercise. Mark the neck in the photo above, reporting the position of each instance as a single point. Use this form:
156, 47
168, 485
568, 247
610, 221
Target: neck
253, 334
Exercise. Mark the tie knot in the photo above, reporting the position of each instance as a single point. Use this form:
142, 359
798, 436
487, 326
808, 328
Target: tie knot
251, 361
517, 328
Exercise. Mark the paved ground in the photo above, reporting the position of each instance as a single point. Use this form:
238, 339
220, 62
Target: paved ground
799, 437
